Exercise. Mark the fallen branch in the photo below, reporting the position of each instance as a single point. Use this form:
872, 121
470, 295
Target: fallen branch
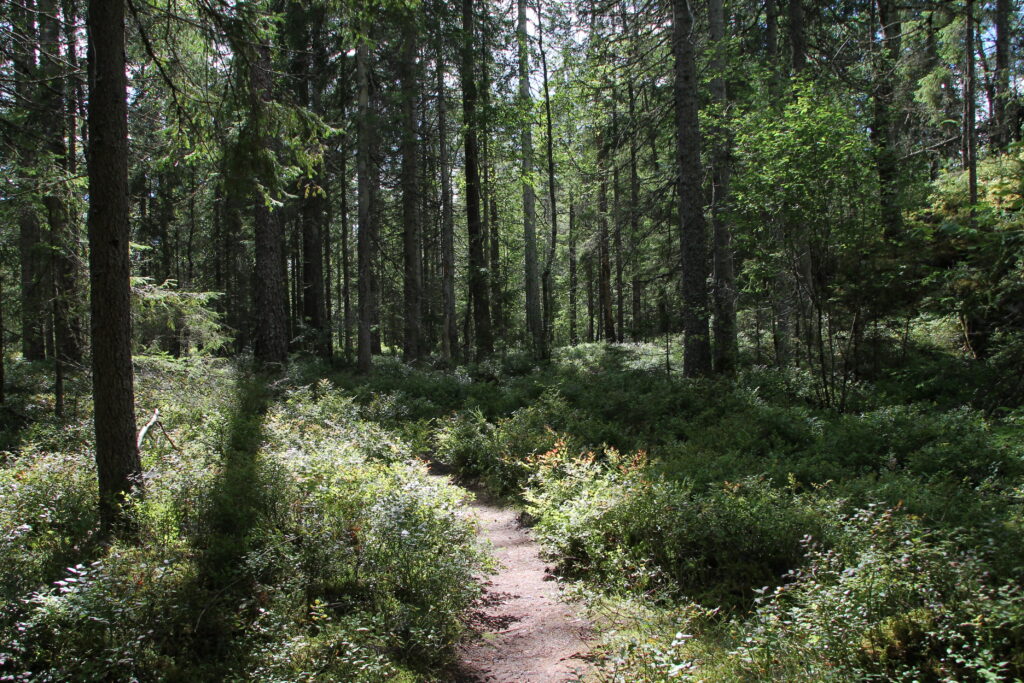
145, 430
155, 420
168, 436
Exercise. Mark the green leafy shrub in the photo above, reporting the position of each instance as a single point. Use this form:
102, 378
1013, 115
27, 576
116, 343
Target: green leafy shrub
893, 602
613, 521
287, 539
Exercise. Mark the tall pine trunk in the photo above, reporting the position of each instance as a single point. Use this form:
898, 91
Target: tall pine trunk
411, 239
884, 130
30, 249
1004, 104
573, 285
270, 343
726, 344
449, 324
364, 246
534, 326
547, 284
692, 229
604, 270
477, 257
118, 466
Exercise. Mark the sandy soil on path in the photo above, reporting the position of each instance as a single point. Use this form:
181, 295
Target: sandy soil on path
525, 633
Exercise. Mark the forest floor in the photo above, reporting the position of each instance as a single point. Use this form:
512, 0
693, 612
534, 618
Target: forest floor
524, 630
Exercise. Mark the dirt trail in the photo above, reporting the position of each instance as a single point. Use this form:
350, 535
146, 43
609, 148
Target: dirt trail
525, 633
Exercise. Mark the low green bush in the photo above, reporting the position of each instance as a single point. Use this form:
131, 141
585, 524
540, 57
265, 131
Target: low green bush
892, 602
286, 539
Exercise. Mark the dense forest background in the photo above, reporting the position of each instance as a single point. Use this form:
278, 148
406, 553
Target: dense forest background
415, 178
726, 294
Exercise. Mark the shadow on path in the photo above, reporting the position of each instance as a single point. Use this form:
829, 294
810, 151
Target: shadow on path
240, 496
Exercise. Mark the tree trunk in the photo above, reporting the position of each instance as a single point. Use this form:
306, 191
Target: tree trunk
3, 347
797, 36
1003, 102
364, 246
30, 248
634, 214
588, 275
692, 230
450, 324
373, 238
546, 278
771, 33
534, 325
313, 312
604, 275
573, 335
474, 228
118, 466
970, 89
411, 239
884, 130
270, 289
67, 327
346, 277
309, 294
494, 269
726, 343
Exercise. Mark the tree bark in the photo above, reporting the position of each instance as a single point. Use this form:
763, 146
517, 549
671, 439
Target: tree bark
547, 285
604, 275
29, 247
270, 289
970, 90
411, 238
634, 214
474, 228
797, 37
692, 229
620, 302
573, 335
67, 327
588, 275
726, 342
1003, 102
364, 246
310, 293
3, 348
450, 324
346, 276
771, 33
534, 326
118, 465
884, 130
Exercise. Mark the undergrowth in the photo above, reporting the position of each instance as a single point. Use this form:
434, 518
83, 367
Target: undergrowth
282, 537
733, 529
725, 529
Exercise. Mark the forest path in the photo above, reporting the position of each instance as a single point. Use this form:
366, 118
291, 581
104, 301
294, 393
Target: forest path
525, 633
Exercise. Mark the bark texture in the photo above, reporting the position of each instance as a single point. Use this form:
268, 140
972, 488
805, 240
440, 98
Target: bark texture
692, 228
118, 466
